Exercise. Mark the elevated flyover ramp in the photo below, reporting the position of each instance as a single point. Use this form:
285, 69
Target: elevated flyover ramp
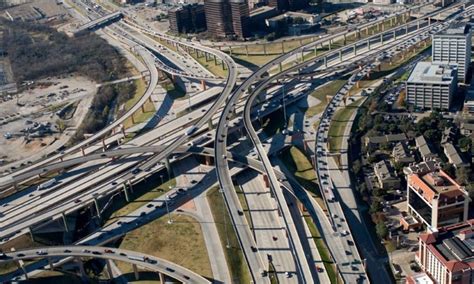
99, 22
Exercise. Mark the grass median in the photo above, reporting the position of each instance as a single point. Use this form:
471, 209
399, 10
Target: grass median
238, 268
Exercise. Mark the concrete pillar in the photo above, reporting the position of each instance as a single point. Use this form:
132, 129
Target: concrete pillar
203, 85
266, 181
406, 29
65, 222
282, 47
315, 51
209, 124
281, 66
50, 263
162, 277
230, 50
215, 59
429, 21
247, 50
133, 118
125, 191
104, 146
97, 208
381, 39
395, 34
340, 55
135, 272
109, 269
355, 49
82, 271
418, 24
265, 49
329, 44
368, 44
168, 166
83, 151
143, 108
325, 61
357, 34
20, 264
345, 39
208, 160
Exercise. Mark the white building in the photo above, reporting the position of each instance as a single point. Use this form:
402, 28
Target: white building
453, 46
431, 86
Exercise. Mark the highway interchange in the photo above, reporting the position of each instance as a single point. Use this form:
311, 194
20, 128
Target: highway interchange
92, 175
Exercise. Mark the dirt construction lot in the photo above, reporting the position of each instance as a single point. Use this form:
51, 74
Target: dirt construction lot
30, 126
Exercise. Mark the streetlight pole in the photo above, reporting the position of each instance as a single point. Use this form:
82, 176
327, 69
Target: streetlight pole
284, 108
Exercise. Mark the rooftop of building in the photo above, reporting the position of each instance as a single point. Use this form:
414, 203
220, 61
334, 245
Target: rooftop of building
432, 182
389, 138
453, 245
452, 154
384, 170
419, 278
400, 151
456, 29
261, 10
427, 72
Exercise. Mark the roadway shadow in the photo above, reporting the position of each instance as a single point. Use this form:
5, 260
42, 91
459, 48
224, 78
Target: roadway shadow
246, 64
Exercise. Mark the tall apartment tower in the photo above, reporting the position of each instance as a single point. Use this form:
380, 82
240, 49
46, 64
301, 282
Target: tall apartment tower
453, 45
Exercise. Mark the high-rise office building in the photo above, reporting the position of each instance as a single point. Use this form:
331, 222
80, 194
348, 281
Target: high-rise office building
285, 5
187, 19
227, 17
431, 86
453, 45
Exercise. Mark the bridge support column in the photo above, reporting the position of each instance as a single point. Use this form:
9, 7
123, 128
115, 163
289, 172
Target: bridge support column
133, 118
266, 181
109, 269
358, 84
168, 166
280, 66
143, 108
21, 265
203, 85
265, 49
340, 55
83, 151
104, 146
406, 29
135, 272
50, 263
209, 124
418, 24
330, 43
357, 34
325, 61
162, 277
97, 208
381, 39
82, 271
429, 21
345, 39
208, 161
355, 49
368, 44
395, 34
315, 51
215, 59
247, 50
125, 191
66, 227
367, 31
282, 47
230, 50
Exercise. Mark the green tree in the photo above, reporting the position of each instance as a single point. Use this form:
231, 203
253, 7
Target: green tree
465, 143
375, 206
381, 230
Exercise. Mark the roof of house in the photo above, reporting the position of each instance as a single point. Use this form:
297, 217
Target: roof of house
384, 170
452, 154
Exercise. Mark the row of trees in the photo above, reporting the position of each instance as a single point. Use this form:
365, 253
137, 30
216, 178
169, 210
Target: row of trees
38, 51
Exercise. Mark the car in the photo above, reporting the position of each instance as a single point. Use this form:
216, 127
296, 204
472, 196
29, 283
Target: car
86, 251
240, 212
20, 255
3, 256
254, 249
108, 251
287, 274
136, 171
123, 254
274, 238
186, 277
77, 201
96, 252
169, 269
67, 251
348, 252
143, 214
113, 183
319, 268
349, 242
41, 252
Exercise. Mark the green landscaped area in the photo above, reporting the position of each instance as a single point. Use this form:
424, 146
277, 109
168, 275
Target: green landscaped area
56, 277
271, 48
141, 115
21, 242
338, 125
323, 250
142, 194
258, 60
180, 242
244, 204
328, 90
300, 166
211, 65
238, 268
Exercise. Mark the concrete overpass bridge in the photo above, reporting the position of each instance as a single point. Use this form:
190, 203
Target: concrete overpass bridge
99, 22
